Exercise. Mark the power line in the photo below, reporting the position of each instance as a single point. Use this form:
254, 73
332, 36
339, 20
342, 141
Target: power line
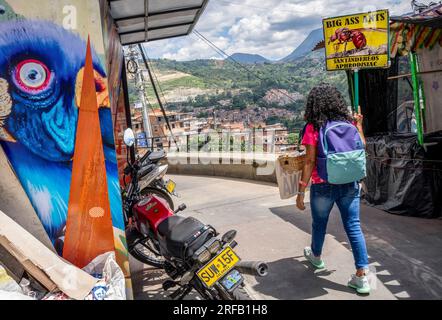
259, 8
156, 79
140, 47
241, 4
162, 94
150, 105
224, 54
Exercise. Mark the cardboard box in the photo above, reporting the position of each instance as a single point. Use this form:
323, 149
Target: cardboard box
45, 266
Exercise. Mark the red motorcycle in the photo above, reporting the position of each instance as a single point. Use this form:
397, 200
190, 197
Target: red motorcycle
191, 252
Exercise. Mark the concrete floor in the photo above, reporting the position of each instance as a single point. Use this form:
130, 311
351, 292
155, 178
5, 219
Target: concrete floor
404, 252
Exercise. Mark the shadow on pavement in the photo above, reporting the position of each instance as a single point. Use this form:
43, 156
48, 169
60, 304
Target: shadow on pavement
147, 285
291, 278
405, 251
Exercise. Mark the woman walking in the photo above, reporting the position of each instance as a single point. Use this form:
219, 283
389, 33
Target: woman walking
326, 111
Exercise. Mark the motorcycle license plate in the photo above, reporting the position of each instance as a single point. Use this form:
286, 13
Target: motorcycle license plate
213, 271
170, 186
232, 280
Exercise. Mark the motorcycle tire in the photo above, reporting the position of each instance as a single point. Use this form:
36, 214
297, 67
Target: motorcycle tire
238, 294
139, 252
160, 193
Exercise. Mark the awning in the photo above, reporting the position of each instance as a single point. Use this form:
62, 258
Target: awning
431, 17
411, 32
148, 20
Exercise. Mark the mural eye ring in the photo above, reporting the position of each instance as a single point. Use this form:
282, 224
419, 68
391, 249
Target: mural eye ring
32, 76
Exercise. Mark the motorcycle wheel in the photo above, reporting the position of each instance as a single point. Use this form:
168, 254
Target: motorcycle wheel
238, 294
160, 193
147, 256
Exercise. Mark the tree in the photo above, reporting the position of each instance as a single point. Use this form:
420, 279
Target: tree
292, 138
238, 102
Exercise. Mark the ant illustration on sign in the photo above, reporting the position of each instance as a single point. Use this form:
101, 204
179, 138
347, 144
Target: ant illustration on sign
345, 35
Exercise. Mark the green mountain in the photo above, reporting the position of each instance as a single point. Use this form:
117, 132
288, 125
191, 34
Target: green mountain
248, 58
306, 46
229, 85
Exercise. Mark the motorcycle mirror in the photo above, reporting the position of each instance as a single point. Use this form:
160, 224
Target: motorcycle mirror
229, 236
129, 137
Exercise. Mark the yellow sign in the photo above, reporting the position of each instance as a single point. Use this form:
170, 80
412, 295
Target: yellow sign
357, 41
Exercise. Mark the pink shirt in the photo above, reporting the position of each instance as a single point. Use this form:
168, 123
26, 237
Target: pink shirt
311, 137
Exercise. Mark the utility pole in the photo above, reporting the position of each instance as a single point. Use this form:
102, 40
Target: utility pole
134, 57
155, 90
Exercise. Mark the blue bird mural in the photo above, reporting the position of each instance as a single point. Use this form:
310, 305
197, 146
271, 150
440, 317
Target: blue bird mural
41, 68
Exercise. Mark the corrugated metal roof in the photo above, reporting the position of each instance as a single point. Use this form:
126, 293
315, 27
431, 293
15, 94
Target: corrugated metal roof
148, 20
429, 17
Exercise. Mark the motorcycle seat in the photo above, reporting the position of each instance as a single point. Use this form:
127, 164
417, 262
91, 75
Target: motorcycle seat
177, 231
166, 226
157, 155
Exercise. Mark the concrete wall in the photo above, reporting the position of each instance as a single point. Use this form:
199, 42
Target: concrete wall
258, 167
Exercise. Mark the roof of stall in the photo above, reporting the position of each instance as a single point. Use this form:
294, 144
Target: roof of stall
149, 20
431, 17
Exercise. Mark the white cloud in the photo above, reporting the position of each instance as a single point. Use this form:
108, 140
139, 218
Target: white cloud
272, 28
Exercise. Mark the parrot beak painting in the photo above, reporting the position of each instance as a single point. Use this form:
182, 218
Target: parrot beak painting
41, 77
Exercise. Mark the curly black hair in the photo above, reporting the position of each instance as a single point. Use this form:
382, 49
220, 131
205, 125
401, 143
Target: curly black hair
325, 103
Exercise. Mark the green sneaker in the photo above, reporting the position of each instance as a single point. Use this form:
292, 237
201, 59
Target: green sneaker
315, 261
360, 284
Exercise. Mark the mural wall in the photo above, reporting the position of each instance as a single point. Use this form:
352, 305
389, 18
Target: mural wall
42, 59
115, 59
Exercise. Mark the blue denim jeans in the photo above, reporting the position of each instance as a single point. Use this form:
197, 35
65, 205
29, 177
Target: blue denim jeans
347, 197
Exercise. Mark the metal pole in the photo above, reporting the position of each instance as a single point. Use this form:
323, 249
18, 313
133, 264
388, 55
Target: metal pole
356, 94
417, 106
146, 121
141, 88
127, 107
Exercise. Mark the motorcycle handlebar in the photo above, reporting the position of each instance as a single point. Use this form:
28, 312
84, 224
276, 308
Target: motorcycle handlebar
145, 156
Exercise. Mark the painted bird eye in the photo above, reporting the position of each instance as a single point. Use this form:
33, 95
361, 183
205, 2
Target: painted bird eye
32, 75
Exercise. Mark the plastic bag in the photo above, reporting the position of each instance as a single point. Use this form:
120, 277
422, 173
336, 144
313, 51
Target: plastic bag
112, 284
7, 283
9, 289
13, 295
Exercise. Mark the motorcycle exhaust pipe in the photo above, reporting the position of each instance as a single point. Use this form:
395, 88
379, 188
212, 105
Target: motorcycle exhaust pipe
254, 268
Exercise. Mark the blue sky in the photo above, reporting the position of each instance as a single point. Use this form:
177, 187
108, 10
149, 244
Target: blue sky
272, 28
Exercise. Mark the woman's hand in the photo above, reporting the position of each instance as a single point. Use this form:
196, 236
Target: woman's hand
300, 202
358, 117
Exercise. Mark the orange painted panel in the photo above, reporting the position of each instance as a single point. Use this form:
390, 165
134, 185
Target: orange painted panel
89, 231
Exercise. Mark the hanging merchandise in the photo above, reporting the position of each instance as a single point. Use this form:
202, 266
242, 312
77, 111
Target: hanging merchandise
430, 61
408, 37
